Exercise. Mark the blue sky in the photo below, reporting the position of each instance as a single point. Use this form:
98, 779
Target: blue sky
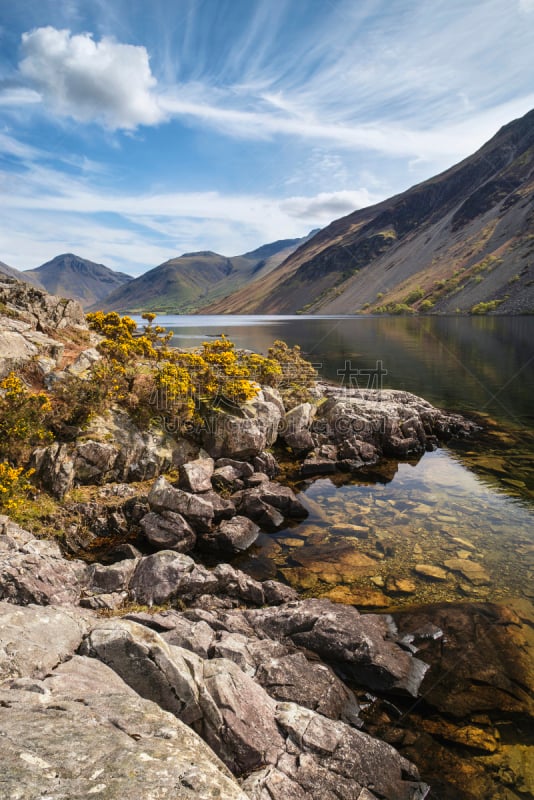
133, 131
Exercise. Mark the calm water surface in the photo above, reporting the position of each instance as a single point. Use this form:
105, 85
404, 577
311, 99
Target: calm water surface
470, 502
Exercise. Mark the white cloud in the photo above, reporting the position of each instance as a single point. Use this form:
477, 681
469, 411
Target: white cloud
87, 80
19, 96
326, 206
526, 6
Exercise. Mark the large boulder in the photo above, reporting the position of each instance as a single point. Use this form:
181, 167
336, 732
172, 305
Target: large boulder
168, 531
34, 639
397, 423
35, 571
196, 510
244, 436
231, 536
83, 732
362, 647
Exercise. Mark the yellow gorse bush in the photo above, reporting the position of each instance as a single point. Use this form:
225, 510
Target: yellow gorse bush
23, 417
14, 486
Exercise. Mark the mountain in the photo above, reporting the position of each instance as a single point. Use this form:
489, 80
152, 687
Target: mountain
185, 283
78, 278
11, 272
460, 241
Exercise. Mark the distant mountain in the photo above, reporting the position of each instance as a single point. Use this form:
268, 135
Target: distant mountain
78, 278
459, 240
11, 272
192, 280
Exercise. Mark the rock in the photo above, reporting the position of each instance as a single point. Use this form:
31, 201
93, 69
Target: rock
246, 436
84, 361
227, 478
232, 536
234, 583
223, 507
394, 423
196, 510
252, 502
400, 585
277, 593
295, 428
54, 468
93, 462
34, 571
165, 575
481, 665
91, 735
168, 530
471, 570
362, 646
316, 465
195, 476
362, 598
34, 639
111, 578
141, 455
245, 727
266, 463
431, 572
41, 310
243, 468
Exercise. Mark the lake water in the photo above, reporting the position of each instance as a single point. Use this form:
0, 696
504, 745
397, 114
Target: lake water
468, 502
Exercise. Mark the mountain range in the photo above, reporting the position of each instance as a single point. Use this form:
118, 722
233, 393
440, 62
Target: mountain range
184, 284
462, 241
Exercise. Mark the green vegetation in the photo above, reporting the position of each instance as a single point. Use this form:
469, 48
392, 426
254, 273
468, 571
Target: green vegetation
414, 296
395, 308
485, 308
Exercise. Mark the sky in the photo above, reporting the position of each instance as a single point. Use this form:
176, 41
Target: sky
134, 131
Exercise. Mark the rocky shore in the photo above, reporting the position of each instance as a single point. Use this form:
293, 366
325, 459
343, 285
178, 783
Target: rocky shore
136, 663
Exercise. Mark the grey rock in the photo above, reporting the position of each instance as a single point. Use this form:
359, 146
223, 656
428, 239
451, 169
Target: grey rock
94, 461
232, 536
195, 476
275, 495
227, 477
265, 462
54, 468
168, 530
34, 570
234, 583
33, 639
363, 647
93, 736
245, 436
196, 510
223, 507
243, 468
84, 361
165, 575
111, 578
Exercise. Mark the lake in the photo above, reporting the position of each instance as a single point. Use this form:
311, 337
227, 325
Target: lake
470, 501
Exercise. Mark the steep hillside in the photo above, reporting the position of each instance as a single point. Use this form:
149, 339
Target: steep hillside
186, 283
11, 272
458, 240
77, 278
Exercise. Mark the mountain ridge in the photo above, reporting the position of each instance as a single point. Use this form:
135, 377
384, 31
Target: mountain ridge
69, 275
468, 227
184, 283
